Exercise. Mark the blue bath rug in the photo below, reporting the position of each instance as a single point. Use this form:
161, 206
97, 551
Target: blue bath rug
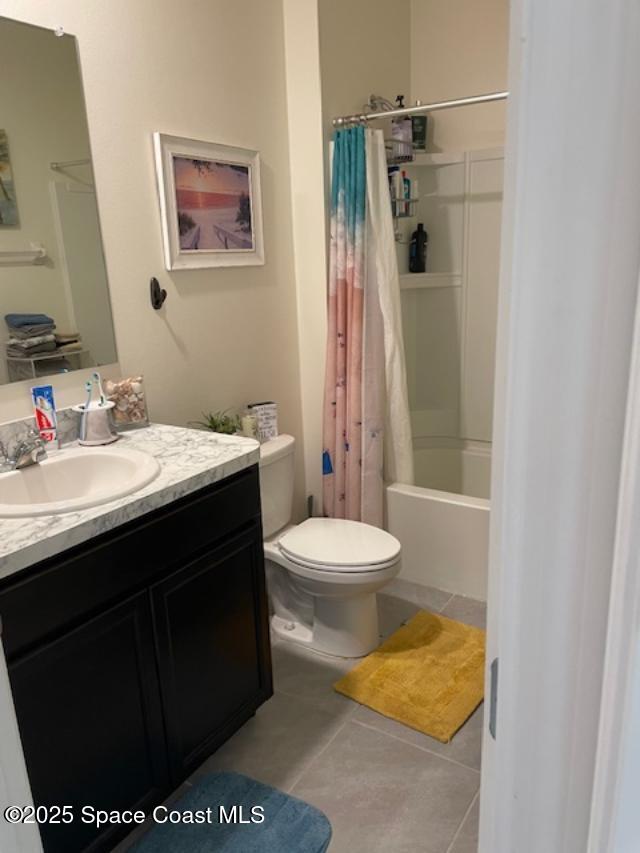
289, 825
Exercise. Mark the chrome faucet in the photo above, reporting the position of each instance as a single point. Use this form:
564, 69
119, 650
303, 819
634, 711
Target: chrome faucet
28, 451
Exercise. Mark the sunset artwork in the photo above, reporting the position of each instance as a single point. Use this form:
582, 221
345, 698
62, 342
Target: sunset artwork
213, 203
210, 203
8, 206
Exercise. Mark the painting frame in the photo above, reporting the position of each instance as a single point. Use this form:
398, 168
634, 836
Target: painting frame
210, 203
9, 217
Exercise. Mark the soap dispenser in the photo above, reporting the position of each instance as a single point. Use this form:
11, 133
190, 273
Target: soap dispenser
96, 416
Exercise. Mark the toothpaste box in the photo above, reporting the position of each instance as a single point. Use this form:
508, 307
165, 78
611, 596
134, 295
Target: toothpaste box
44, 410
267, 417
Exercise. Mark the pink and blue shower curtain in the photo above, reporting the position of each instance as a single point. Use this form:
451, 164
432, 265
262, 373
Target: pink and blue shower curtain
367, 432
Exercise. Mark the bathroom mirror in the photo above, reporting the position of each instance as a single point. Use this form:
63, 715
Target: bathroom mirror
53, 280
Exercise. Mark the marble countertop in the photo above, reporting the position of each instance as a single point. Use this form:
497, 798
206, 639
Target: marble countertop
189, 460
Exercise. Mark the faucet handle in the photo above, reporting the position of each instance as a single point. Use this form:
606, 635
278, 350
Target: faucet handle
29, 451
38, 444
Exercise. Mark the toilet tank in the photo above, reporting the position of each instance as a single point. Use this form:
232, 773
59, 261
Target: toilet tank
276, 483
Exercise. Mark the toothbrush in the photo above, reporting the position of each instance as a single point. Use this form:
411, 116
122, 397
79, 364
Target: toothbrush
98, 381
103, 399
88, 387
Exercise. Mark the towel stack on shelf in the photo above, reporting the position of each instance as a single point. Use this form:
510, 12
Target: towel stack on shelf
68, 341
36, 347
30, 335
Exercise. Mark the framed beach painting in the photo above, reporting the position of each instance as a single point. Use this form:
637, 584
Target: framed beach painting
8, 205
209, 203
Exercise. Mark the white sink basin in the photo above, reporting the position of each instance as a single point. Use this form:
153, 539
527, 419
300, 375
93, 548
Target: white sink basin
75, 478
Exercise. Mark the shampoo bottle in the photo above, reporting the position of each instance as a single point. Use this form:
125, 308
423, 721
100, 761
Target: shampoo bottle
418, 250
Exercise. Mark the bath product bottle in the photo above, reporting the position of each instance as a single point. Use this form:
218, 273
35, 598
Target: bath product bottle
393, 172
419, 131
406, 187
406, 191
401, 133
397, 192
390, 171
418, 250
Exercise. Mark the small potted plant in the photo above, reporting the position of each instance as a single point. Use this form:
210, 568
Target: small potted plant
224, 422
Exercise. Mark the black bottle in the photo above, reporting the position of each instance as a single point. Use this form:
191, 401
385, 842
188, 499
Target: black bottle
418, 250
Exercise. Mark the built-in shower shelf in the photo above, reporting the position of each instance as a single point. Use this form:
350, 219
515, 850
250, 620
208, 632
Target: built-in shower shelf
424, 280
440, 158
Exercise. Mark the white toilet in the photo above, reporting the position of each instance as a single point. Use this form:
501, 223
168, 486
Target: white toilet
323, 574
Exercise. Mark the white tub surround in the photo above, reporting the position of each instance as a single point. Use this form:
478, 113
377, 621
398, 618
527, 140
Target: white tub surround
189, 460
444, 536
453, 465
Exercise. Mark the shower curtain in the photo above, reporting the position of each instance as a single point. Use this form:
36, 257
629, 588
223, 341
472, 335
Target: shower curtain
367, 431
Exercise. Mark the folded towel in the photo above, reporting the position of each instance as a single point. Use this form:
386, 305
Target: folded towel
21, 352
19, 320
30, 343
31, 331
70, 338
72, 346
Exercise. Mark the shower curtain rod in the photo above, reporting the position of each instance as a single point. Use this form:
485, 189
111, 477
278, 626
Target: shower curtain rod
420, 108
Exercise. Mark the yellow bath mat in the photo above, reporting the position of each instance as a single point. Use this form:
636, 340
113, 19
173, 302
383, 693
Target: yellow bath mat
428, 675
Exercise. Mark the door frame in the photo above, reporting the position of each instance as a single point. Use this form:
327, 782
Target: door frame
613, 823
14, 781
568, 292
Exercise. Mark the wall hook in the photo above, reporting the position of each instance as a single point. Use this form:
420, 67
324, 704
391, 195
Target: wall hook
158, 295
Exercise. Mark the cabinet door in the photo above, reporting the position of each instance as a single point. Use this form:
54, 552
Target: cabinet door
88, 707
213, 648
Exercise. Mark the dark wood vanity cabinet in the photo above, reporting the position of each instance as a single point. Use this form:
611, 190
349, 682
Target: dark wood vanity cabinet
91, 721
133, 657
207, 637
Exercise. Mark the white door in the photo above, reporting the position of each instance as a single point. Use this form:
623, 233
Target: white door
569, 274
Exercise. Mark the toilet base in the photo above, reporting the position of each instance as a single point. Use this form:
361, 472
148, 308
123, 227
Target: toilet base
344, 628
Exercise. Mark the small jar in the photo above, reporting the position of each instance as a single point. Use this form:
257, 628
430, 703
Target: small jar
249, 424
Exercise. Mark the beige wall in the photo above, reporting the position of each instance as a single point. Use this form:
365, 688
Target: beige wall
364, 49
206, 69
459, 48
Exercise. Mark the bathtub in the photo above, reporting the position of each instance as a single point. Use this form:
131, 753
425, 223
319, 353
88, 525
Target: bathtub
442, 522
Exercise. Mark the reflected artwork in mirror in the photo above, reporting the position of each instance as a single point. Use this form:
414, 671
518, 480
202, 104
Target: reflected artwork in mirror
55, 312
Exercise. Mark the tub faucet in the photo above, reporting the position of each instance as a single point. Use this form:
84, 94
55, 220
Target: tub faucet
28, 451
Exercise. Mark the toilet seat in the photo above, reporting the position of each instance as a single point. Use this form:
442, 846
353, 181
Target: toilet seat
339, 546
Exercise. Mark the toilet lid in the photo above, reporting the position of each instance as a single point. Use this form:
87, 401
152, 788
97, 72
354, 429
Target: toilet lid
334, 543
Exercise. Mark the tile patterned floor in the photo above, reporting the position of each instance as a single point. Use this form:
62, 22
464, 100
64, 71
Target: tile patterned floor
384, 787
